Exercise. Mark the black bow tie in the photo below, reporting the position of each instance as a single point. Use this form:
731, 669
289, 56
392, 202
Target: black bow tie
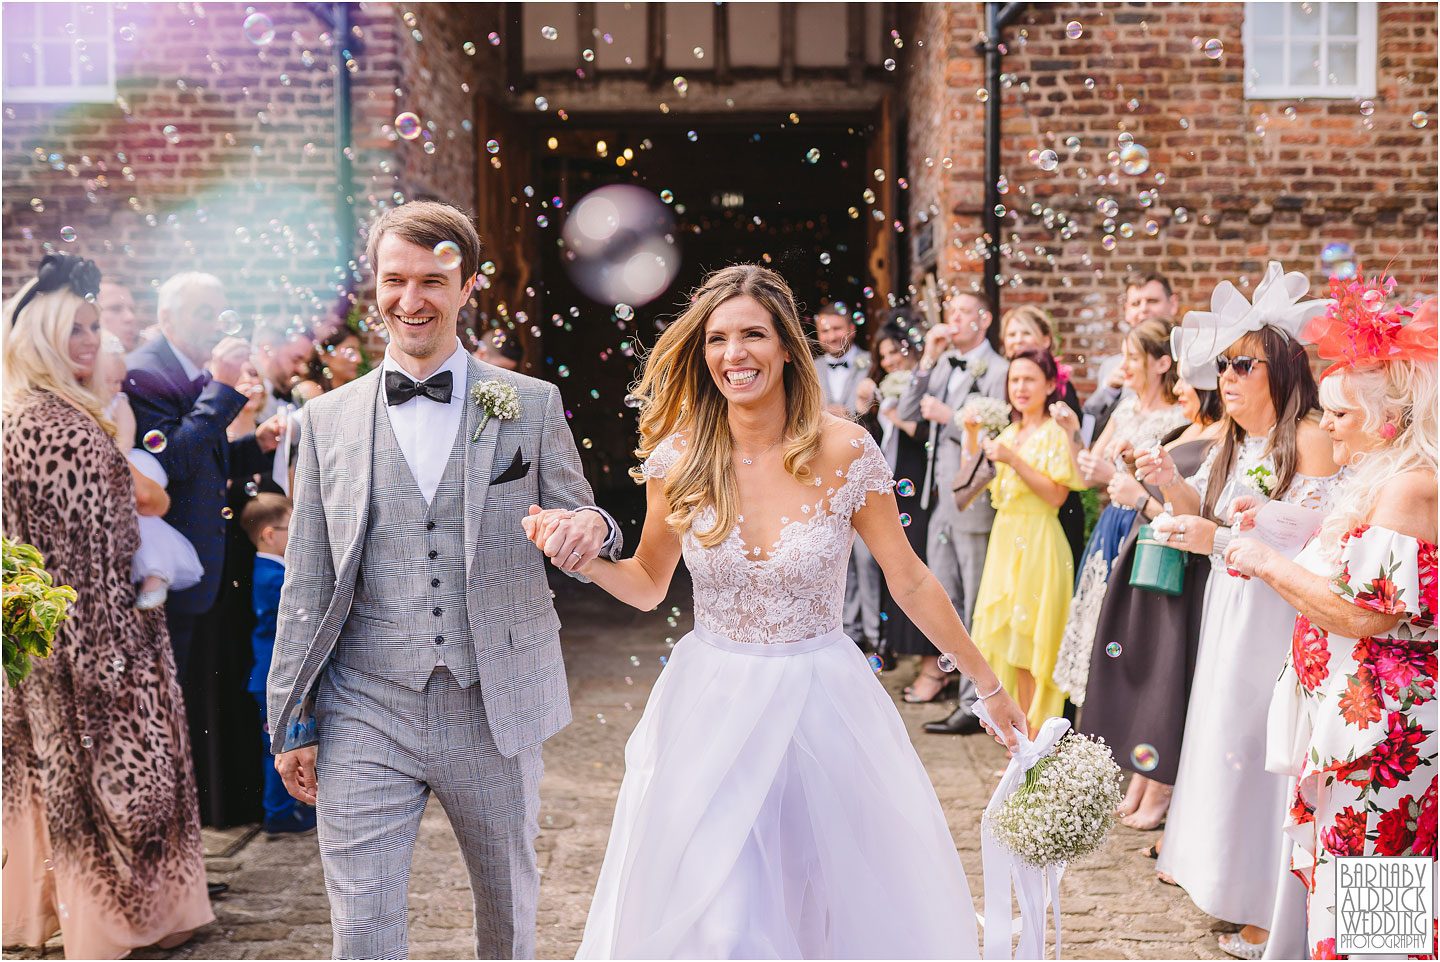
838, 364
401, 387
959, 362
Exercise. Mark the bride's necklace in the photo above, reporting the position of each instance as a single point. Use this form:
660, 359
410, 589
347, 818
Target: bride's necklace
748, 461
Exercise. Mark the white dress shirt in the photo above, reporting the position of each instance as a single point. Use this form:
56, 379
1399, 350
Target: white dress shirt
836, 378
186, 365
425, 429
970, 357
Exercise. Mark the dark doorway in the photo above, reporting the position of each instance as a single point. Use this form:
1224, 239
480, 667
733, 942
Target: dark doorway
791, 197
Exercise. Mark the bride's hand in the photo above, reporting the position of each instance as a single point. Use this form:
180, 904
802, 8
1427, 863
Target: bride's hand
540, 525
1009, 719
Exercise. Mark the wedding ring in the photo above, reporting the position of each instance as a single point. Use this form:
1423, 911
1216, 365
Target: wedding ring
574, 554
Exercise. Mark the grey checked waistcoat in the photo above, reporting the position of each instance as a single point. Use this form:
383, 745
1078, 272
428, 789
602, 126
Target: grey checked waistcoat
409, 608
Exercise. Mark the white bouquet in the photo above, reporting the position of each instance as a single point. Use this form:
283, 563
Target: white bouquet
993, 414
1065, 808
894, 384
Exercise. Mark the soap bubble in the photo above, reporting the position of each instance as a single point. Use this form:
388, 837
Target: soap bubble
889, 63
812, 156
1048, 160
86, 741
542, 104
492, 146
1214, 49
170, 133
1074, 30
982, 95
1113, 649
1419, 119
1144, 758
667, 196
469, 48
1338, 260
259, 29
549, 33
905, 520
67, 234
1367, 107
493, 39
824, 257
447, 255
905, 488
230, 323
227, 513
1134, 159
37, 205
622, 239
251, 488
624, 311
946, 662
877, 664
407, 125
1373, 301
154, 441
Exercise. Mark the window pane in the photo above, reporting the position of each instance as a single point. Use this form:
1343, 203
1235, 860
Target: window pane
754, 35
820, 32
627, 26
687, 26
1305, 19
54, 18
1266, 61
97, 71
55, 64
1305, 64
1340, 18
541, 53
1266, 19
1344, 57
20, 19
19, 65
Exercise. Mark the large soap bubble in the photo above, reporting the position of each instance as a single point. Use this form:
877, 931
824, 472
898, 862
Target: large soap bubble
620, 245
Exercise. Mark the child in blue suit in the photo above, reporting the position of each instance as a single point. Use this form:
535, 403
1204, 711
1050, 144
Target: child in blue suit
266, 520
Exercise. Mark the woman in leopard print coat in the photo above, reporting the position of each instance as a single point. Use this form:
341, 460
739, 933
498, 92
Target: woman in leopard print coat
101, 825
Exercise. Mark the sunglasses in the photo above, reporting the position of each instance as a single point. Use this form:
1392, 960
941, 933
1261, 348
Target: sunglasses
1243, 364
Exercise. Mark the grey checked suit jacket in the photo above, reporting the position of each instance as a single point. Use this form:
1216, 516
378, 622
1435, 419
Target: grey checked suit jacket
946, 447
513, 624
859, 370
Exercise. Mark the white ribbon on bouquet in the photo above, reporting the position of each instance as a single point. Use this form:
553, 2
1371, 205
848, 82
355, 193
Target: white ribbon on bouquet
1006, 872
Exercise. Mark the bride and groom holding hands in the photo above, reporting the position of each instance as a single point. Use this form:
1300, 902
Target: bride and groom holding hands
418, 650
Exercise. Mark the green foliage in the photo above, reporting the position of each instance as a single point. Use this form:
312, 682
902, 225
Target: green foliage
34, 607
1090, 498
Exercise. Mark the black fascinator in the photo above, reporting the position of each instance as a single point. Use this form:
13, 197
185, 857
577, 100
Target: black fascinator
58, 271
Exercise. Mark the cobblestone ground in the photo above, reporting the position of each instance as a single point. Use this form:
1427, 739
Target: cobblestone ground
276, 907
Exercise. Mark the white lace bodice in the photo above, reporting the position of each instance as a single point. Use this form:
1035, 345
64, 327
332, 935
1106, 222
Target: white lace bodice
798, 590
1143, 429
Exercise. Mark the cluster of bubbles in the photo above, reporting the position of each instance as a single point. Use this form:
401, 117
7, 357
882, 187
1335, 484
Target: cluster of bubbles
619, 245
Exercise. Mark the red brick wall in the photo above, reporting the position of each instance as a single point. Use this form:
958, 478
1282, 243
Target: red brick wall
1257, 182
247, 191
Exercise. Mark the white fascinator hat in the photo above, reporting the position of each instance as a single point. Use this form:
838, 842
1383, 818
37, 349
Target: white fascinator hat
1204, 335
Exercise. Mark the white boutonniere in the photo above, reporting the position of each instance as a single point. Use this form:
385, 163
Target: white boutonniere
497, 400
980, 367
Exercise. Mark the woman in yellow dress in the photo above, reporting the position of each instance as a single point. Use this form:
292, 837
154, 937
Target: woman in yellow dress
1029, 572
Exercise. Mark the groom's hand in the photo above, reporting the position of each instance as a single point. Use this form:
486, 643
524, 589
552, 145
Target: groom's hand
571, 539
297, 770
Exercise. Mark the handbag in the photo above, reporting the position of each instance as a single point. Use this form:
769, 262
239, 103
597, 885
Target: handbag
975, 474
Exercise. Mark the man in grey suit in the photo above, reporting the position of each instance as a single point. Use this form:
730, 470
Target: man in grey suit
417, 649
956, 363
842, 366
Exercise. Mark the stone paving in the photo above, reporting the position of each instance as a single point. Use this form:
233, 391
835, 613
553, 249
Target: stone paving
276, 907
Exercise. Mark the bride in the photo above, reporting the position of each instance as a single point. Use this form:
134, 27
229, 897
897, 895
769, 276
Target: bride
771, 790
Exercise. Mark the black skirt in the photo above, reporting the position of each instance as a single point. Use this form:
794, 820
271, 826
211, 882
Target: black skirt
898, 633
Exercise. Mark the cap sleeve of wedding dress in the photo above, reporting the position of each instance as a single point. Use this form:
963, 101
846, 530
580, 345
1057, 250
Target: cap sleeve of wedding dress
868, 472
665, 456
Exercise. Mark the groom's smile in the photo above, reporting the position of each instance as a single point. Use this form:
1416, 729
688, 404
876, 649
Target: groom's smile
419, 298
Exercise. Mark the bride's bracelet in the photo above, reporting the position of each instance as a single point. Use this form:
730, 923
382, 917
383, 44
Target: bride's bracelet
998, 688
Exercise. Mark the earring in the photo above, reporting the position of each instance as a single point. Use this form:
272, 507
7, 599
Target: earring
1388, 430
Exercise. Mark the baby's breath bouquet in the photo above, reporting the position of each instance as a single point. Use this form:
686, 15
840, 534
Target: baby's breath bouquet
1066, 806
894, 384
993, 414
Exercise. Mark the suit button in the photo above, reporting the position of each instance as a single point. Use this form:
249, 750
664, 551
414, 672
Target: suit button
439, 639
434, 582
436, 612
434, 555
429, 526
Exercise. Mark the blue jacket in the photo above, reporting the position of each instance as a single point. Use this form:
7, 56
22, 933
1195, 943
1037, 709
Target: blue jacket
197, 456
269, 578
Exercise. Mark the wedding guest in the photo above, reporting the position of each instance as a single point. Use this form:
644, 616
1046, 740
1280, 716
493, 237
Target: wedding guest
500, 348
266, 520
957, 362
1147, 413
164, 560
1136, 694
1028, 327
101, 831
1147, 294
339, 358
182, 388
1223, 841
903, 444
1354, 708
842, 366
1025, 590
282, 354
117, 313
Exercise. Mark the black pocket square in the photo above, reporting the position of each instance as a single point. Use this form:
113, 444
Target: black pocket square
517, 470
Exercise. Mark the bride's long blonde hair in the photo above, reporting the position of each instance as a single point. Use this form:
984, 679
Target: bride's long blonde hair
677, 393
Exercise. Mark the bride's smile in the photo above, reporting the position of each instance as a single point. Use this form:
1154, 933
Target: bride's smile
743, 351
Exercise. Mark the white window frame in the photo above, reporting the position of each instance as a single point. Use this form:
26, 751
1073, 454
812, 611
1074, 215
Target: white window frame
1366, 43
101, 30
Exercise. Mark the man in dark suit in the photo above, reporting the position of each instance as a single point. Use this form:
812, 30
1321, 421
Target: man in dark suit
181, 385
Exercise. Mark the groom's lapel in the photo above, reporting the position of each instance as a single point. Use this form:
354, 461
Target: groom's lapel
479, 458
359, 441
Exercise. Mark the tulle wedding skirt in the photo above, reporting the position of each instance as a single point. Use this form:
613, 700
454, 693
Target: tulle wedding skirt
774, 808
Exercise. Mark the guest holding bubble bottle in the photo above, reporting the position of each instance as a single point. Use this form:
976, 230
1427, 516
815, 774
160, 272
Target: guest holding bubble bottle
1354, 710
1223, 841
1026, 587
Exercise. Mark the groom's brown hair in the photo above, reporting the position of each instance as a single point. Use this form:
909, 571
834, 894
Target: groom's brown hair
428, 223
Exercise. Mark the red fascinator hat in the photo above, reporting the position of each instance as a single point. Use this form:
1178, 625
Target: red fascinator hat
1361, 329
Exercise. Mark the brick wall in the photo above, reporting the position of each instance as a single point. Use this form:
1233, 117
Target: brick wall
244, 186
1257, 179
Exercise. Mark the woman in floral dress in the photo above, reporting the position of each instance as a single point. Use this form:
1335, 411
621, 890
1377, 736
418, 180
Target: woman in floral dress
1354, 701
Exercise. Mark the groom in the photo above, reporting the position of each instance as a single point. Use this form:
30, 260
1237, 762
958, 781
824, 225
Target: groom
417, 648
